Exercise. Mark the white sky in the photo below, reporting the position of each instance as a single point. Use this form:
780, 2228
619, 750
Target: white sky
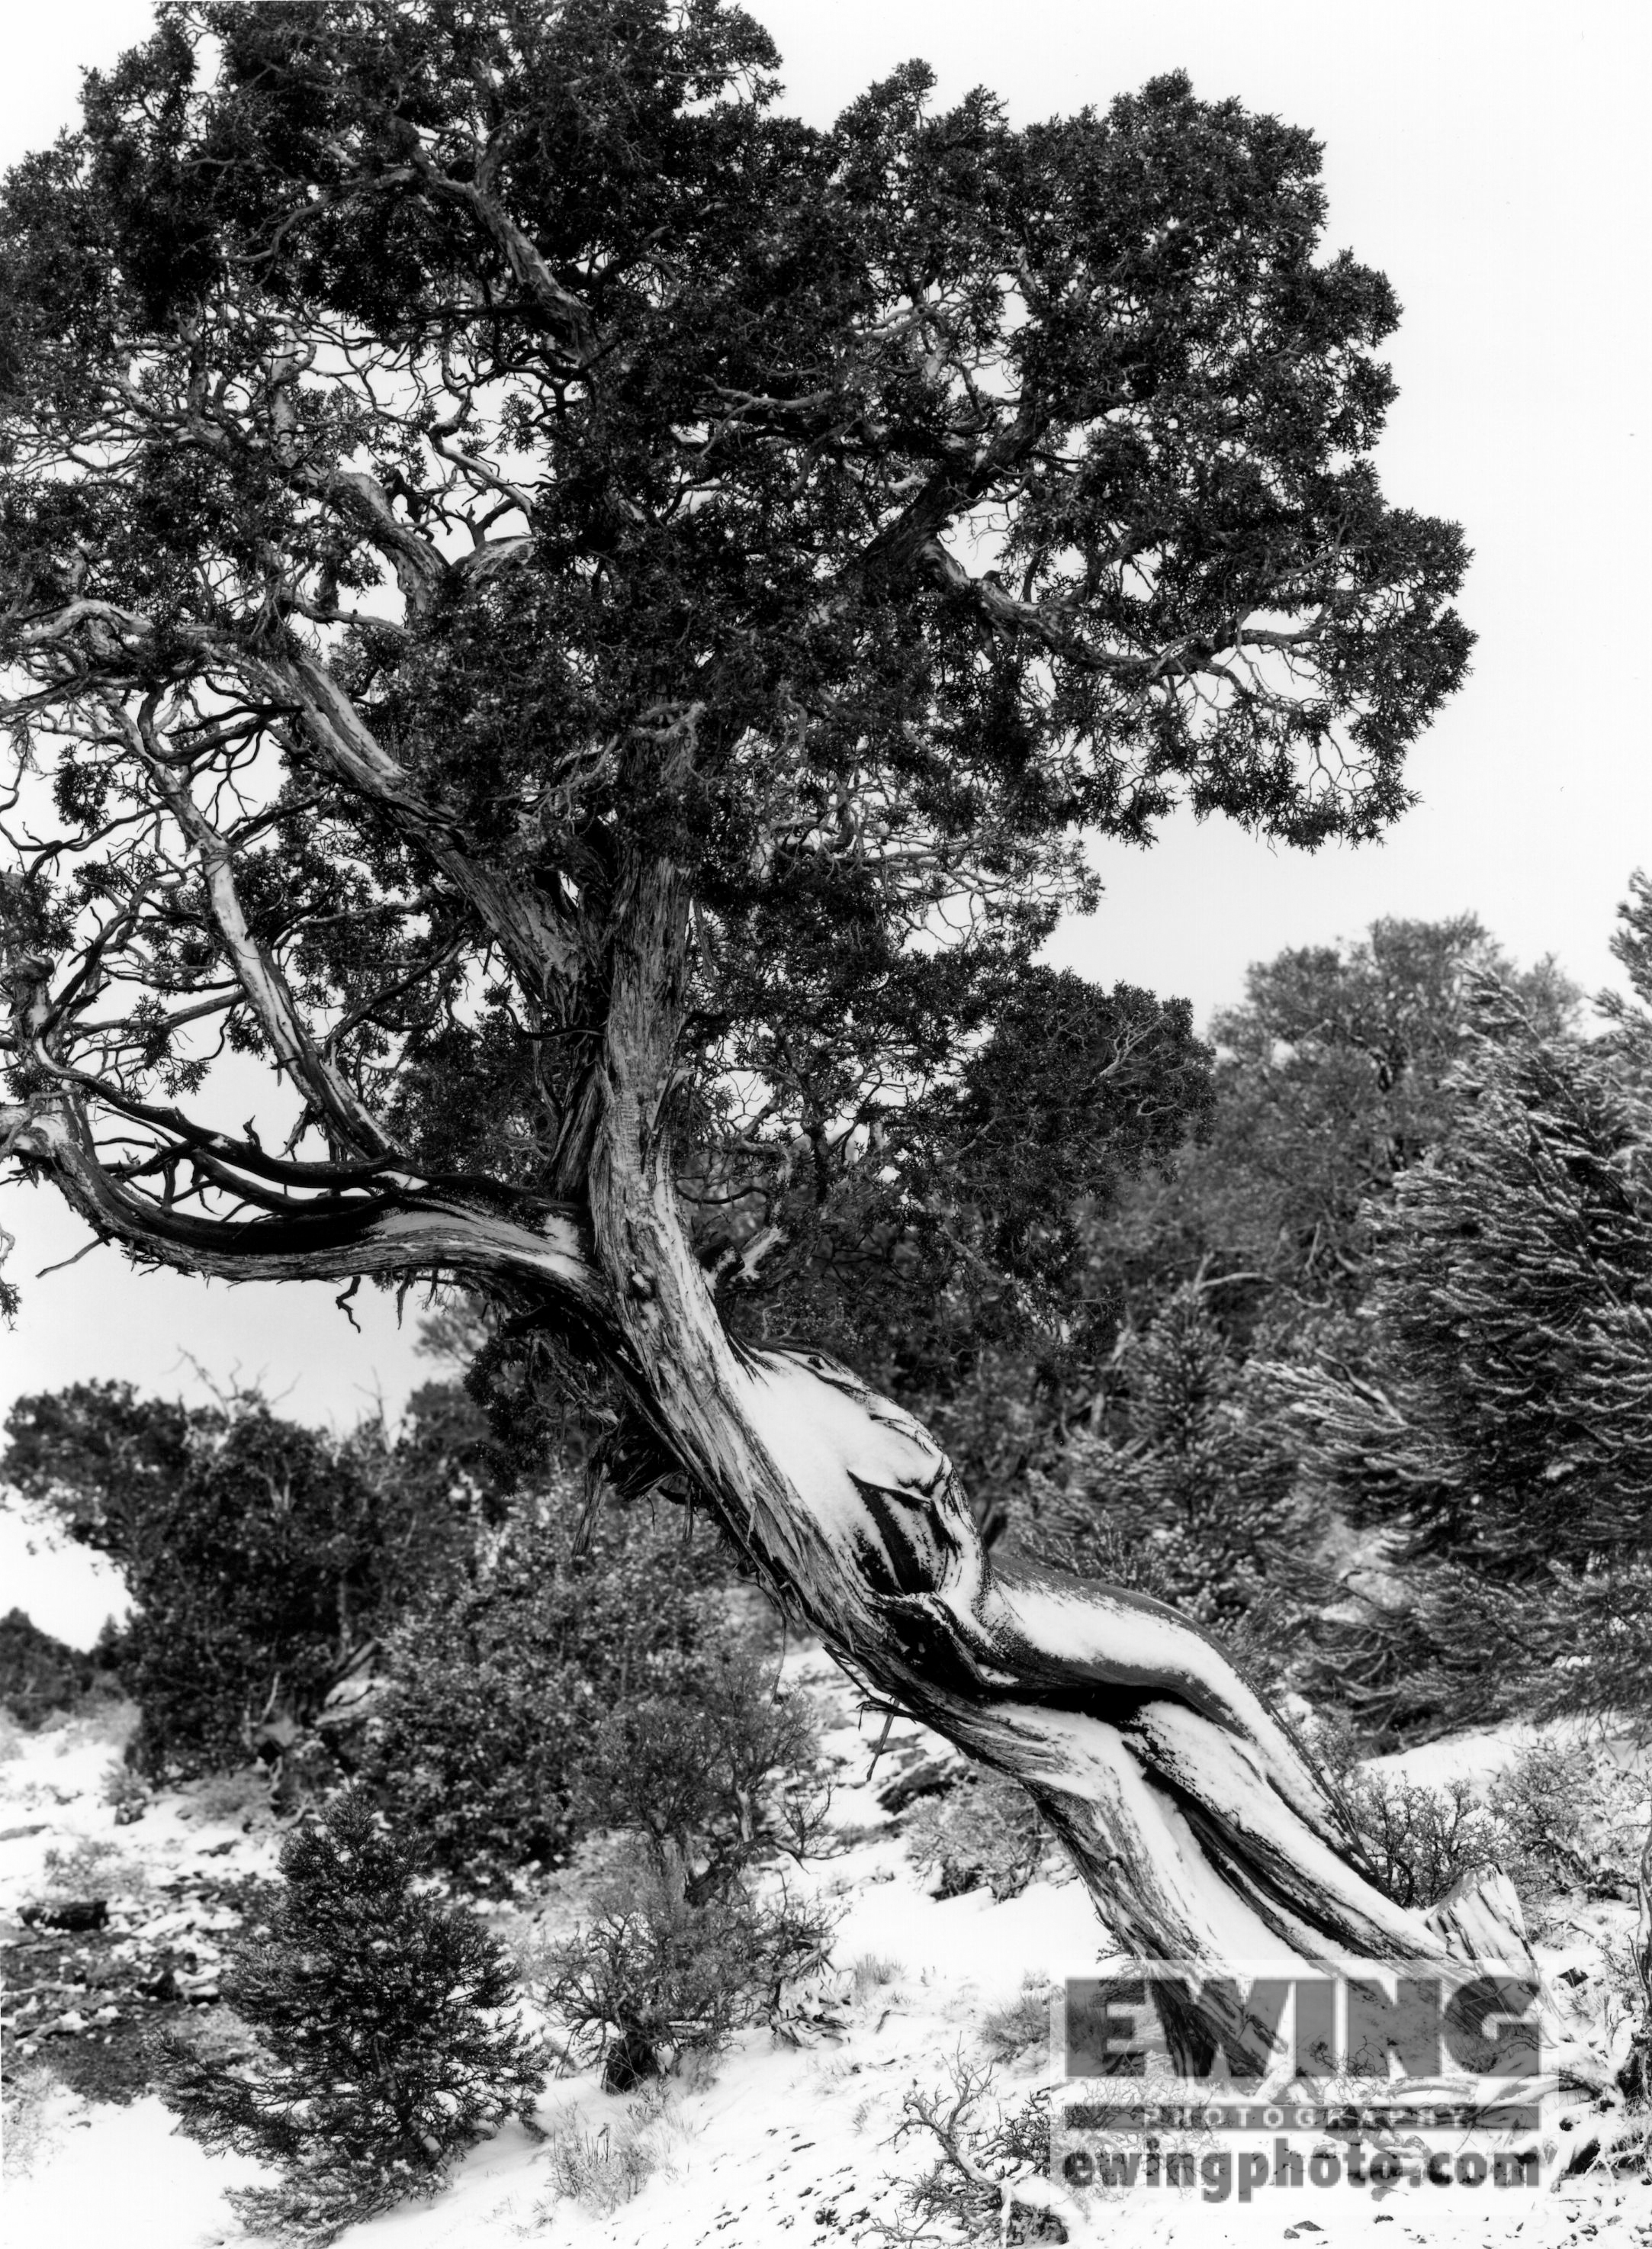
1494, 162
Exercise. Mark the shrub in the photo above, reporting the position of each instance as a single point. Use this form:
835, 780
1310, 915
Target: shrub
1591, 1657
125, 1791
985, 1831
1564, 1818
1572, 1821
703, 1776
258, 1554
1009, 2032
1419, 1841
653, 1974
497, 1688
38, 1674
1186, 1493
235, 1800
1413, 1841
1458, 1650
990, 2181
385, 2038
872, 1973
603, 2170
1491, 1410
700, 1767
91, 1868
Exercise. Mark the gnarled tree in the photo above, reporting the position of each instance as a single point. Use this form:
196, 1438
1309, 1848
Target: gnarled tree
579, 620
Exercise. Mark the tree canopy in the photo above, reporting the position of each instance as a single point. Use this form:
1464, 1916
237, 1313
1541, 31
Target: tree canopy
583, 623
458, 459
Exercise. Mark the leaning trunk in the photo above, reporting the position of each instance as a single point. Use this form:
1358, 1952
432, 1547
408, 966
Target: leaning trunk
1200, 1828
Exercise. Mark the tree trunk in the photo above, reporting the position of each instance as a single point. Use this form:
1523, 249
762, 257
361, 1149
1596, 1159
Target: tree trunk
1195, 1821
1198, 1824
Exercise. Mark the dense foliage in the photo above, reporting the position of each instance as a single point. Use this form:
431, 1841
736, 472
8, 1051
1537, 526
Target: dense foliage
386, 2034
1332, 1079
39, 1673
479, 477
260, 1555
1186, 1490
499, 1687
1489, 1409
706, 1778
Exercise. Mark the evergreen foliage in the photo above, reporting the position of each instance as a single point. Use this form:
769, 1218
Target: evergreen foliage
259, 1554
1491, 1410
1332, 1078
1501, 1412
1184, 1490
758, 385
39, 1673
709, 1764
983, 1831
498, 1686
387, 2035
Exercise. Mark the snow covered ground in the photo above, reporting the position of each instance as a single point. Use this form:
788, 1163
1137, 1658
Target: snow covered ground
784, 2142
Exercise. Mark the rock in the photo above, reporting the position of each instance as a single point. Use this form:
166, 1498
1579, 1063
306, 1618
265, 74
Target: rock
935, 1777
76, 1916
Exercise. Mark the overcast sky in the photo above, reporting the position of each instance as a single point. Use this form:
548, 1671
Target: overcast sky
1494, 163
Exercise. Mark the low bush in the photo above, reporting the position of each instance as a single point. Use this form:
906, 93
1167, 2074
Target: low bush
1012, 2032
1419, 1842
125, 1791
1413, 1841
384, 2030
497, 1688
602, 2170
90, 1869
1021, 2027
984, 1832
1565, 1818
872, 1974
990, 2181
1572, 1821
653, 1976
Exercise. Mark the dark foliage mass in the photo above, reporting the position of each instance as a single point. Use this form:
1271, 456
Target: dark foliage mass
386, 2035
706, 1775
1488, 1411
40, 1675
260, 1555
1333, 1079
465, 468
1186, 1489
498, 1686
1373, 1363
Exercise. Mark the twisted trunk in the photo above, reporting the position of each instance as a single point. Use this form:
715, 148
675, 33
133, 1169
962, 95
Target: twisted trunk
1199, 1825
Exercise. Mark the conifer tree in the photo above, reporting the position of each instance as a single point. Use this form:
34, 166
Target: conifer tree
1503, 1411
1492, 1407
1185, 1481
492, 583
386, 2042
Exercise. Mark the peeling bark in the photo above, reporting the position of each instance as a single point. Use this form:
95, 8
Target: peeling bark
1200, 1829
